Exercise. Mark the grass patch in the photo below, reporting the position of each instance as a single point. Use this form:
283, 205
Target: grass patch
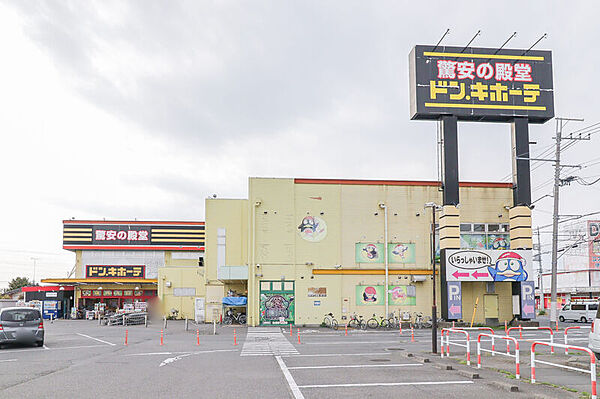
585, 395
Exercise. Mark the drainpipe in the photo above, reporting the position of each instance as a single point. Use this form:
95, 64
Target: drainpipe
252, 270
385, 257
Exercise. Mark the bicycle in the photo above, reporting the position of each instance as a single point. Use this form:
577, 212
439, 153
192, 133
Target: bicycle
330, 321
419, 321
234, 317
373, 323
393, 321
357, 322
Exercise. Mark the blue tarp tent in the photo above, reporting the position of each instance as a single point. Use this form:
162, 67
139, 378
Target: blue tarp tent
235, 301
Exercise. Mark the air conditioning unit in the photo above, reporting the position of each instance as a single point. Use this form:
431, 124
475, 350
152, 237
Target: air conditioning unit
168, 284
418, 279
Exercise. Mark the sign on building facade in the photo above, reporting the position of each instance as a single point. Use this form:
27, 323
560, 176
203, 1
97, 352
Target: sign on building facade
481, 84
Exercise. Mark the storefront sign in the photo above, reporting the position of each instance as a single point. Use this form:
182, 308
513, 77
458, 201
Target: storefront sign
50, 294
317, 292
481, 84
454, 300
594, 244
527, 300
182, 236
374, 295
489, 265
115, 271
368, 252
401, 253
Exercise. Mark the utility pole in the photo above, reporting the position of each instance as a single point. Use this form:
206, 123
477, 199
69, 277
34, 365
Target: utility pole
560, 123
541, 273
34, 259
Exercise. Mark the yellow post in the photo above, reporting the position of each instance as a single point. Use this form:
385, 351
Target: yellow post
474, 311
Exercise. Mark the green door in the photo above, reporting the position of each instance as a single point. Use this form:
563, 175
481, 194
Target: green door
276, 302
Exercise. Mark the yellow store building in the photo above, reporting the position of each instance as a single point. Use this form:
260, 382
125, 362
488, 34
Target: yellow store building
301, 248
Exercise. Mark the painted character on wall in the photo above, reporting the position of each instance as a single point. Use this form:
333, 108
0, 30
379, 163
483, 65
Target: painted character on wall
400, 250
510, 266
308, 225
370, 294
371, 251
499, 243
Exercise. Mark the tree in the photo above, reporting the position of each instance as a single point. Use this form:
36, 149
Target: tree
19, 282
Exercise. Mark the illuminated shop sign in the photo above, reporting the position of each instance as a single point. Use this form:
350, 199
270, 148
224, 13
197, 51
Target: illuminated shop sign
481, 84
115, 271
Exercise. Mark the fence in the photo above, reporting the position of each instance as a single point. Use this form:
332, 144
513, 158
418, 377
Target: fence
446, 332
490, 329
591, 371
549, 329
567, 332
508, 339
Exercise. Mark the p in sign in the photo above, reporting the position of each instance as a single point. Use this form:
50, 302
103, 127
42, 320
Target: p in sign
454, 300
527, 300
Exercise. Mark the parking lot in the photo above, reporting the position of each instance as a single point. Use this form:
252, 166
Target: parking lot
80, 356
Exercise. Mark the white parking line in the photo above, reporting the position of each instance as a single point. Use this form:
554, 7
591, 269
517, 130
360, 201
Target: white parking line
386, 384
355, 366
179, 357
350, 342
340, 354
96, 339
8, 360
53, 349
290, 380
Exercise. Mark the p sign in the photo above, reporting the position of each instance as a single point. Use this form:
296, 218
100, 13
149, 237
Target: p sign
454, 300
527, 300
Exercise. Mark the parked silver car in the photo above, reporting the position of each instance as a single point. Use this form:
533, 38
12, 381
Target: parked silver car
21, 325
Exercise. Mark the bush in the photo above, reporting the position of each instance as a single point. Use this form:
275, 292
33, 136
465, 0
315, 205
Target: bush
542, 312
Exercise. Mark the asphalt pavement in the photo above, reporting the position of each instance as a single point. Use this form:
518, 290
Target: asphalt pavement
81, 358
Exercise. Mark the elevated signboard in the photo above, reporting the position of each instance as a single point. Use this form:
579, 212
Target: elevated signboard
488, 265
481, 84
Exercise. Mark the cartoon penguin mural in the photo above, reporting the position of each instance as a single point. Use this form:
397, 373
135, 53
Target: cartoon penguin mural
510, 266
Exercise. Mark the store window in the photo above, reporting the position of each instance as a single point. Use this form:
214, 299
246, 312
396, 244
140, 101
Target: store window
479, 236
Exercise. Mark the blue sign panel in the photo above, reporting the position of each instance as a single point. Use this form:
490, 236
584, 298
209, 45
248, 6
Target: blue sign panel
527, 300
317, 303
454, 300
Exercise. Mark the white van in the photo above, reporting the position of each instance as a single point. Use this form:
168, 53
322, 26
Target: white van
578, 311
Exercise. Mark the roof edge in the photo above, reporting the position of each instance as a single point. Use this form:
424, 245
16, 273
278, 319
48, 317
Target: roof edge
426, 183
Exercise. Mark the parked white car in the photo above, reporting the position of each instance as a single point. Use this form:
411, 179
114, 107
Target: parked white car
594, 336
579, 311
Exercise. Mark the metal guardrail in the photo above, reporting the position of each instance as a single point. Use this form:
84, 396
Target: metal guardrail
567, 332
520, 328
508, 340
591, 371
446, 332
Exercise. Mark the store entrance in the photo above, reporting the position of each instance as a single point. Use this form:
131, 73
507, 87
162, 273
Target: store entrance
276, 302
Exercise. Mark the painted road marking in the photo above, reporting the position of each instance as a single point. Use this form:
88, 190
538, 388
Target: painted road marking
8, 360
179, 357
290, 380
341, 354
355, 366
350, 342
53, 349
96, 339
267, 341
385, 384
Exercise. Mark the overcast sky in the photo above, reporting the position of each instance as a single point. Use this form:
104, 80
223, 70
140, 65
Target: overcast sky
141, 109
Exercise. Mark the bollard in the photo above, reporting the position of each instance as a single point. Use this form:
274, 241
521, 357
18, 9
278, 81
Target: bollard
556, 325
412, 334
291, 333
346, 332
505, 327
126, 334
520, 331
299, 337
234, 338
452, 323
146, 320
186, 324
400, 323
164, 322
197, 337
214, 327
161, 337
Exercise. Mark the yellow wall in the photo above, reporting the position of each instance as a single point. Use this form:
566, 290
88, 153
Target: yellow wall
231, 215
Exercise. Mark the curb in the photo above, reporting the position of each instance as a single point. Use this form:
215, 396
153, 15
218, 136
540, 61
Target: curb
504, 386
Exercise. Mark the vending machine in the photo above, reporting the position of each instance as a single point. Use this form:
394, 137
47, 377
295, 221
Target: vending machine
52, 308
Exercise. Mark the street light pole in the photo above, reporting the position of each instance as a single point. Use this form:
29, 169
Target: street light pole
34, 259
433, 207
